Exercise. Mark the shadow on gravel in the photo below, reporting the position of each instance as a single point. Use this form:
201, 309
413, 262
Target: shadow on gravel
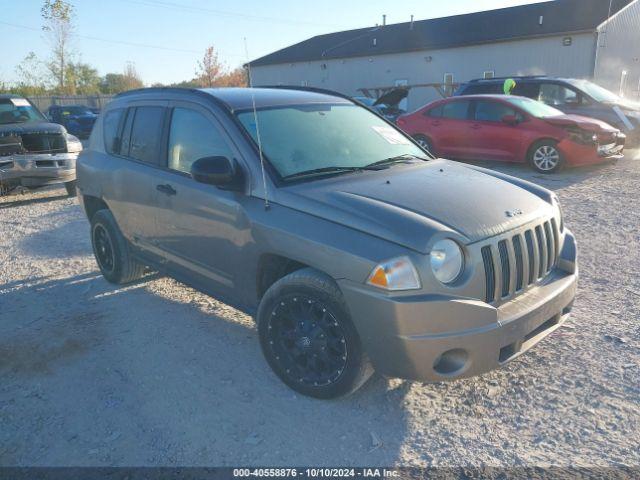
94, 374
8, 202
562, 179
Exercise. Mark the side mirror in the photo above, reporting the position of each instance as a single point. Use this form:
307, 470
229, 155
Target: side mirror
510, 120
218, 171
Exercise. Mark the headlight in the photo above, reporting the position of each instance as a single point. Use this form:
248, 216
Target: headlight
74, 145
396, 274
447, 260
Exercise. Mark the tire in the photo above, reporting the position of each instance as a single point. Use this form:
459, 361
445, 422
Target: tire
71, 188
544, 157
425, 143
307, 336
111, 250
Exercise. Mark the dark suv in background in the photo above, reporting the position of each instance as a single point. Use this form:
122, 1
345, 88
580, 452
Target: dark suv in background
77, 119
571, 96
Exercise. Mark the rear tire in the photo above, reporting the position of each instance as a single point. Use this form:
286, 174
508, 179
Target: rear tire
544, 157
71, 188
112, 251
425, 143
307, 336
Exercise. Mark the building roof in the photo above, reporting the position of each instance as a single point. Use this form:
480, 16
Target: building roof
558, 17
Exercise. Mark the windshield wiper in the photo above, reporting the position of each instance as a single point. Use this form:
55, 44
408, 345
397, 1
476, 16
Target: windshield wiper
391, 160
322, 171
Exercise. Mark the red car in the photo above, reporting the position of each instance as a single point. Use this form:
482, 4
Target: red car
512, 129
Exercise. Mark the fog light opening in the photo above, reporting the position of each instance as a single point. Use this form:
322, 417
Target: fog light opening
451, 362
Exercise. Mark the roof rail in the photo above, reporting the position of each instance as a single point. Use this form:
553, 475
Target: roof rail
324, 91
475, 80
155, 89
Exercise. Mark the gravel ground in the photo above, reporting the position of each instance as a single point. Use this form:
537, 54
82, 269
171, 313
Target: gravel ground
157, 374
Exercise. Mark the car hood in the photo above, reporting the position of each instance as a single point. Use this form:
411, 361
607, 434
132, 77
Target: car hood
43, 127
626, 105
407, 204
393, 97
585, 123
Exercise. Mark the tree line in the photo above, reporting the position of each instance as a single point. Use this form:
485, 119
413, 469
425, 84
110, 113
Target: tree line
63, 73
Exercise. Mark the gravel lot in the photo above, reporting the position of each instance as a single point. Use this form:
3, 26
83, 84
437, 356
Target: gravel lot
157, 374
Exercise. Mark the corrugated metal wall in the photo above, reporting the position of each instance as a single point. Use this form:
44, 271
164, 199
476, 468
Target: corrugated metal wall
547, 55
619, 51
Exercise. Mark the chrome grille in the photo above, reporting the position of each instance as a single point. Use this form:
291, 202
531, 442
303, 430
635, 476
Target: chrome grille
512, 264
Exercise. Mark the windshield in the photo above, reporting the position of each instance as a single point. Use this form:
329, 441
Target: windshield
596, 92
76, 111
534, 108
304, 138
18, 110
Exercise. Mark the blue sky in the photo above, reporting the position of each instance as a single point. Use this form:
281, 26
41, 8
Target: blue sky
184, 28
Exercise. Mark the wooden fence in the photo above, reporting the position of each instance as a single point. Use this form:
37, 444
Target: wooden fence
43, 102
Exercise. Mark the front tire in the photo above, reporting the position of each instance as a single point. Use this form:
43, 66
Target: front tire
544, 157
112, 251
425, 143
307, 336
71, 188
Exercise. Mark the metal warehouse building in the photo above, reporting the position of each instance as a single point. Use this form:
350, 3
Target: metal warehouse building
597, 39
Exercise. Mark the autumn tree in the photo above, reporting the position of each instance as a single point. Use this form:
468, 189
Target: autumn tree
58, 25
209, 68
131, 77
234, 78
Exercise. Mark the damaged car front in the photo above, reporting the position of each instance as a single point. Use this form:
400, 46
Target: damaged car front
33, 152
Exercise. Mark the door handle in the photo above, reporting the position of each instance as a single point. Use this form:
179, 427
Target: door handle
166, 189
476, 127
435, 124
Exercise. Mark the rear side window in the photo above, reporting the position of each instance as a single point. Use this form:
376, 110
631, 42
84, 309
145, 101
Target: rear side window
111, 128
455, 110
556, 94
528, 89
193, 136
482, 89
434, 112
146, 133
487, 111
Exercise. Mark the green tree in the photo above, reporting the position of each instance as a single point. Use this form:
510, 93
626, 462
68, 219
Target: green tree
82, 79
113, 83
58, 24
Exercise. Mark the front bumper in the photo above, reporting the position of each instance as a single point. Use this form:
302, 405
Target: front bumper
436, 337
36, 170
581, 154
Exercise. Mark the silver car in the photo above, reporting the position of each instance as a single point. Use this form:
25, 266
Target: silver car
354, 250
34, 152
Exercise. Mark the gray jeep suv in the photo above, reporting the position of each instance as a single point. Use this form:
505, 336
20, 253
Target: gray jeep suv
352, 247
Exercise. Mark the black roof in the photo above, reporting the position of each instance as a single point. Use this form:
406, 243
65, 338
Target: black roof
242, 98
520, 77
559, 17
